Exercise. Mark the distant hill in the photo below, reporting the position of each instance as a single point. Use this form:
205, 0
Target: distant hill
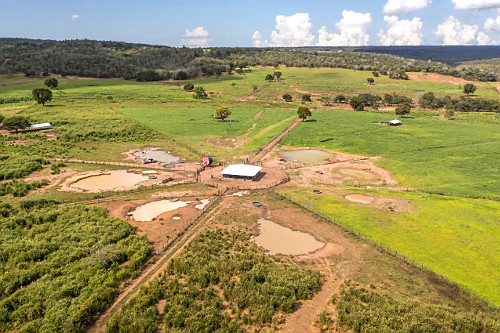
452, 55
103, 59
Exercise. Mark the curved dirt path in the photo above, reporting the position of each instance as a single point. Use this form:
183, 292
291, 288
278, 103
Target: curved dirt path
152, 272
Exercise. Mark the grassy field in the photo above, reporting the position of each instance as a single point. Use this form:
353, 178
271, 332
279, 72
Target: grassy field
449, 157
455, 237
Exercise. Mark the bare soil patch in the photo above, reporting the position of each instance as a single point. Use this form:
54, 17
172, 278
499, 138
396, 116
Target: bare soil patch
331, 171
163, 228
360, 198
419, 76
69, 184
267, 178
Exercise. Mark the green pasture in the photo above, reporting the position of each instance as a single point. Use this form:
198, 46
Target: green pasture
458, 238
250, 127
449, 157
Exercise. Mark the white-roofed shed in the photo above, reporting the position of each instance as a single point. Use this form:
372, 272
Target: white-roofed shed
39, 126
241, 171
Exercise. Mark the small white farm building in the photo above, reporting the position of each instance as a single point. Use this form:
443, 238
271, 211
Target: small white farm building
241, 171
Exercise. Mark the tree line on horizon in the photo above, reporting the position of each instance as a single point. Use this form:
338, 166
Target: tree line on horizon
142, 62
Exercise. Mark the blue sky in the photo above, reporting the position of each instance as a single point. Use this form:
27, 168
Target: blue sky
258, 23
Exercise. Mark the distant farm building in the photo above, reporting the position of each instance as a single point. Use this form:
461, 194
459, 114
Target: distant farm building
241, 171
36, 127
394, 122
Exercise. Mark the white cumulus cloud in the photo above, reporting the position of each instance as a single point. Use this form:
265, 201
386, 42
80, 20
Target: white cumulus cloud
294, 30
492, 24
75, 16
476, 4
198, 37
483, 38
353, 30
257, 40
454, 32
398, 7
402, 32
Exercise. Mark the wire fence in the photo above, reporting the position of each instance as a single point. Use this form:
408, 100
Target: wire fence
186, 225
367, 239
154, 166
224, 188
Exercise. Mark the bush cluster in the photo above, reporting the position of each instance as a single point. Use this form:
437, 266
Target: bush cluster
256, 289
364, 310
62, 266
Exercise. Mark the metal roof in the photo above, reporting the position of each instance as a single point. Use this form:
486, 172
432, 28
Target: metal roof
42, 125
243, 170
395, 122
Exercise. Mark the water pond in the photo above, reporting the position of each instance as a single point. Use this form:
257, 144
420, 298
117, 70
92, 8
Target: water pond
308, 156
110, 181
148, 212
276, 239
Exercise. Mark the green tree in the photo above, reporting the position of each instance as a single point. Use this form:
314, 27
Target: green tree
340, 98
42, 95
306, 98
277, 75
469, 88
50, 82
402, 109
303, 112
2, 117
15, 123
357, 104
189, 87
375, 73
370, 80
222, 112
287, 97
269, 77
199, 92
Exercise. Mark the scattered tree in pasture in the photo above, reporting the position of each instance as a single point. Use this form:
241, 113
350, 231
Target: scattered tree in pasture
306, 97
189, 87
50, 82
469, 88
277, 75
303, 112
370, 80
340, 98
222, 112
269, 77
255, 87
42, 95
402, 109
15, 123
199, 92
287, 97
399, 75
449, 114
375, 73
357, 104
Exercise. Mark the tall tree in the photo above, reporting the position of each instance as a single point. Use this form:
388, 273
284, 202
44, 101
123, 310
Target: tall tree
370, 80
50, 82
303, 112
42, 95
15, 123
402, 109
469, 88
222, 112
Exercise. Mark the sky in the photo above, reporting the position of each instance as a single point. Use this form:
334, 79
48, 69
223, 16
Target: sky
244, 23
